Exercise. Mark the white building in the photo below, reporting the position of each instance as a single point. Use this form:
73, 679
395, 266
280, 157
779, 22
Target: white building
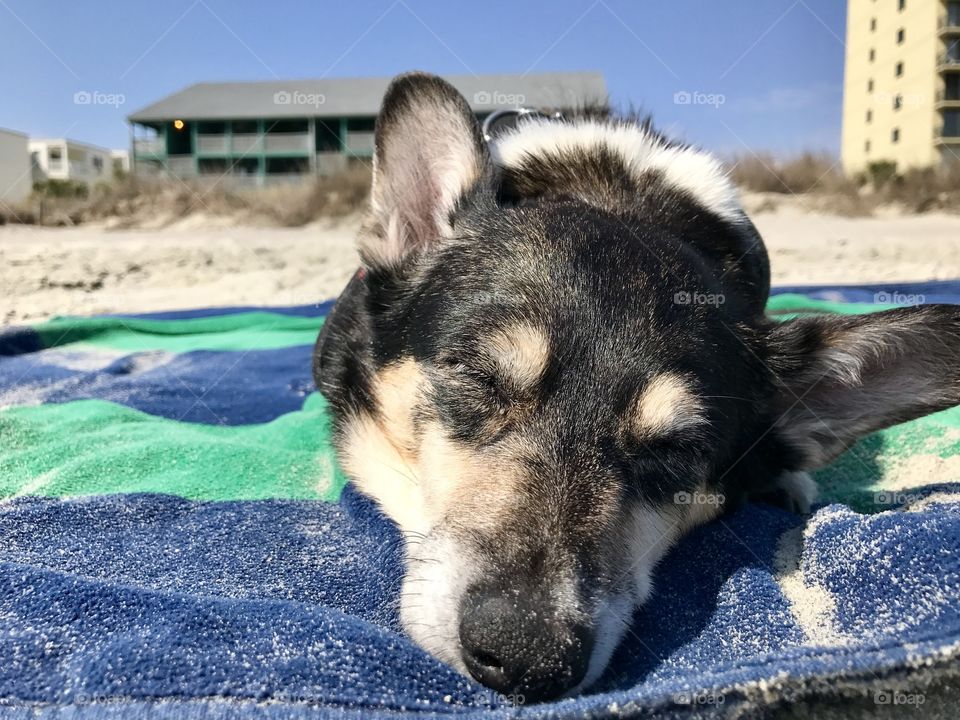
121, 161
15, 176
62, 159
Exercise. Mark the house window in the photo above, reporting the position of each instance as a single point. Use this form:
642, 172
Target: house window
899, 69
97, 164
901, 36
895, 135
361, 124
55, 155
328, 136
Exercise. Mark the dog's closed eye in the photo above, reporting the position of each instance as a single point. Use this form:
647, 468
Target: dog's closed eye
475, 374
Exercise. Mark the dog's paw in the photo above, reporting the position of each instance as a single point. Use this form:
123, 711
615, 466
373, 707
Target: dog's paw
793, 491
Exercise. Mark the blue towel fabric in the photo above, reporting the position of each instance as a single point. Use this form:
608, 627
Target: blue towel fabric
154, 605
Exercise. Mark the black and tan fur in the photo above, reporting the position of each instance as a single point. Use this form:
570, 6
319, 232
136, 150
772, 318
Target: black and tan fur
517, 380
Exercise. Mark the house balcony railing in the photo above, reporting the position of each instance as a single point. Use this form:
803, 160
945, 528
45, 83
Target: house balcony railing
148, 146
360, 143
212, 144
247, 143
287, 143
182, 167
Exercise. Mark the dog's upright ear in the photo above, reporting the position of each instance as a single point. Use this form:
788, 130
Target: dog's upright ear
429, 156
842, 377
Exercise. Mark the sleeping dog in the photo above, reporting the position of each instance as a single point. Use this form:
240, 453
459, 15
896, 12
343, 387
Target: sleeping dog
555, 362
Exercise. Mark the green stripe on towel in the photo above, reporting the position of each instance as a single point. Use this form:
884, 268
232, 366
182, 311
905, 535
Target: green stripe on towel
91, 447
239, 331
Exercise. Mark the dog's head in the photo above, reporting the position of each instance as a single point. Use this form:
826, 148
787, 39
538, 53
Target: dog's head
567, 366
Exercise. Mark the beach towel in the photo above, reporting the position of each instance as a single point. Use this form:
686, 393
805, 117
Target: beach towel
177, 541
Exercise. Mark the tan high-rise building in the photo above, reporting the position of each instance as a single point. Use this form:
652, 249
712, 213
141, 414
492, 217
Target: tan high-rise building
901, 94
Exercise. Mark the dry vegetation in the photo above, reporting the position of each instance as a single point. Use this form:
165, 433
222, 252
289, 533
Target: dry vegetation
144, 202
819, 181
813, 181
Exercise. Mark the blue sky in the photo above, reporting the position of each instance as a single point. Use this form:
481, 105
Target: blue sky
768, 72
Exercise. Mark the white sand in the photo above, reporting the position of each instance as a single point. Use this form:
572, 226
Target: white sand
197, 263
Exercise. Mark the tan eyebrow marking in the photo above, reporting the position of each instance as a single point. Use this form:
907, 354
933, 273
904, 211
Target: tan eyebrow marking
667, 404
521, 351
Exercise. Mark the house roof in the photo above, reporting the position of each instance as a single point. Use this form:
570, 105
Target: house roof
345, 97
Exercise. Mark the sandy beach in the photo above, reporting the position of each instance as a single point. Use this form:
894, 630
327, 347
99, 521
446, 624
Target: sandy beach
199, 263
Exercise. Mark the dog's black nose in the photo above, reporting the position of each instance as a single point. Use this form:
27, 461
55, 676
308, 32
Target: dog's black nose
519, 646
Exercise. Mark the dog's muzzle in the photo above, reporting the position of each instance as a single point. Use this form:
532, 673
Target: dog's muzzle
514, 642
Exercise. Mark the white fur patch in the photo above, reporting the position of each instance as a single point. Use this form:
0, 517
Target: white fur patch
696, 172
652, 533
438, 573
801, 489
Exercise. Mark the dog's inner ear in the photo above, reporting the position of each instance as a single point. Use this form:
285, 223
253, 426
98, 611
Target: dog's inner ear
429, 155
841, 378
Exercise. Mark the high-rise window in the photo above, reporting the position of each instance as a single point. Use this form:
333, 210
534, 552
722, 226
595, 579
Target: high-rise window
870, 85
952, 89
953, 51
897, 102
953, 14
869, 115
951, 123
901, 36
899, 69
902, 5
873, 24
866, 146
895, 135
873, 54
